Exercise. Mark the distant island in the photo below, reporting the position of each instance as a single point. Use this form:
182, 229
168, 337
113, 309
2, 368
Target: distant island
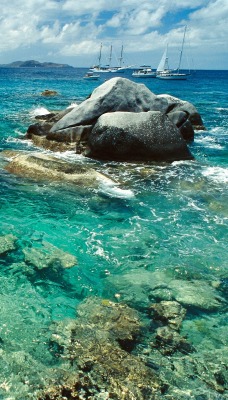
34, 64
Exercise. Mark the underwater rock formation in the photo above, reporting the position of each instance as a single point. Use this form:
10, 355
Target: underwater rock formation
141, 288
7, 243
48, 256
98, 345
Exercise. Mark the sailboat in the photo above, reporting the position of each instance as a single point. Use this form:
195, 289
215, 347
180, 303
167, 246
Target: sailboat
99, 68
163, 71
120, 68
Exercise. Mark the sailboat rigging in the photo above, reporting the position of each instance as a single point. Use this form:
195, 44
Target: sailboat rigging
163, 71
99, 68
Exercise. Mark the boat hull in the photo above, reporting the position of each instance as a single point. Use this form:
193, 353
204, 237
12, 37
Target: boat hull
144, 75
177, 77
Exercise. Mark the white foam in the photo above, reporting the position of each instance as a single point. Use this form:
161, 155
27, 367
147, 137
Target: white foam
209, 142
217, 174
113, 190
39, 111
12, 139
73, 105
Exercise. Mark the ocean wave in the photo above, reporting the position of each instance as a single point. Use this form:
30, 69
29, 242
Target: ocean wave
111, 189
39, 111
209, 141
12, 139
222, 108
72, 105
217, 174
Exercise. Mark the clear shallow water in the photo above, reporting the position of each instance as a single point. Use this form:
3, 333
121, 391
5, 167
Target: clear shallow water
166, 217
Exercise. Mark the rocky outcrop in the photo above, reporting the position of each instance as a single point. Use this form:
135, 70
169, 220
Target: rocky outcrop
116, 94
137, 136
74, 127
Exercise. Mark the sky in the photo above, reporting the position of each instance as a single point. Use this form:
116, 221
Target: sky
71, 31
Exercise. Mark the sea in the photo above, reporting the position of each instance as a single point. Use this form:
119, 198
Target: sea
159, 221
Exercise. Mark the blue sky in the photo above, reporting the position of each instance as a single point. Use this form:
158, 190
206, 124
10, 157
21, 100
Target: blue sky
70, 31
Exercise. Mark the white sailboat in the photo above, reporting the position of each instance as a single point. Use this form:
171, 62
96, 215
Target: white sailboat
163, 71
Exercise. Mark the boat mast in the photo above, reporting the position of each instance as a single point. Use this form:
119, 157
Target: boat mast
110, 56
99, 58
121, 57
182, 47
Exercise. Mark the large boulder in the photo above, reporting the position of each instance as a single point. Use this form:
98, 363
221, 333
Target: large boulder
145, 136
116, 94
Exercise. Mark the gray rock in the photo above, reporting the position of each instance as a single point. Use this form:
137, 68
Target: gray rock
116, 94
145, 136
73, 134
178, 117
187, 132
175, 104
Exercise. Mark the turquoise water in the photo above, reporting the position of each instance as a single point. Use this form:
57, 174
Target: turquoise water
169, 218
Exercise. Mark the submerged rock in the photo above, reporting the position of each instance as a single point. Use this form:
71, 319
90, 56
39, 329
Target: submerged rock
48, 256
7, 243
103, 366
143, 287
170, 313
49, 92
44, 167
169, 341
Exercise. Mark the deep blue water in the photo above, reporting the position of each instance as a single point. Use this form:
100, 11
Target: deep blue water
168, 217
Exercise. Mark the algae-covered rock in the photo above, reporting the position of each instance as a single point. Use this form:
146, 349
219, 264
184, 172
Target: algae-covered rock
170, 313
95, 344
48, 256
7, 243
169, 341
49, 92
41, 166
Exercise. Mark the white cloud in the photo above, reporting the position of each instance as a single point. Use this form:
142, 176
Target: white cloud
71, 27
